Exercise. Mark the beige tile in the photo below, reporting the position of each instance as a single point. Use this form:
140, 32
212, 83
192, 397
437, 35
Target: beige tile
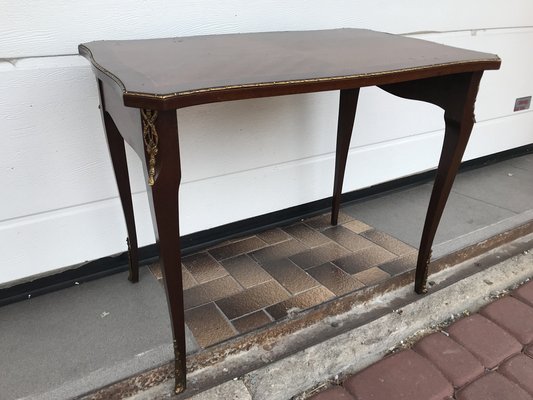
208, 325
371, 276
364, 259
335, 279
388, 242
357, 226
237, 248
251, 321
246, 271
210, 291
323, 221
273, 236
319, 255
252, 299
155, 269
300, 302
307, 235
187, 279
291, 277
203, 267
347, 238
278, 251
400, 264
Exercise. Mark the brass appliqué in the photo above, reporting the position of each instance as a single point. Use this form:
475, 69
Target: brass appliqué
426, 270
151, 140
180, 374
130, 262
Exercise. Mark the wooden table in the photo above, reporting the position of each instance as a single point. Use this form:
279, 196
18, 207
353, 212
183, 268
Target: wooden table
143, 82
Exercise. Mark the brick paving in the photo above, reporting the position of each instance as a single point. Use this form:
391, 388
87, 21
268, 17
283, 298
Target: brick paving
247, 283
485, 356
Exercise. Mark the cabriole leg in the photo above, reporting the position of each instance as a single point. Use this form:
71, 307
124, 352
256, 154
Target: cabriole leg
163, 174
456, 94
117, 152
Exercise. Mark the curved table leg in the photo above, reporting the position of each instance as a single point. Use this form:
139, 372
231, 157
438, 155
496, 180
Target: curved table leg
163, 198
117, 152
456, 94
347, 108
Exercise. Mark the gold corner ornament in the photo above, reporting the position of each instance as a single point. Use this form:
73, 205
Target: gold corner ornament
179, 382
151, 140
129, 253
426, 271
179, 388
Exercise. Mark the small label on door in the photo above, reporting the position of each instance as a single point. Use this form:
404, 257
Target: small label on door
522, 103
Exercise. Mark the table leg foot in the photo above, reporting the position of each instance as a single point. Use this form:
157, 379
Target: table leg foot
179, 388
133, 262
180, 381
422, 268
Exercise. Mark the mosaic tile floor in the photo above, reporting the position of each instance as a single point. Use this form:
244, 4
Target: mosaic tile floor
246, 283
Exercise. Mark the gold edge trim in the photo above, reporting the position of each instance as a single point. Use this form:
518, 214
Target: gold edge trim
102, 69
299, 81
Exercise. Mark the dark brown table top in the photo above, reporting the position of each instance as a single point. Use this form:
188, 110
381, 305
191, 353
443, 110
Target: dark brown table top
177, 72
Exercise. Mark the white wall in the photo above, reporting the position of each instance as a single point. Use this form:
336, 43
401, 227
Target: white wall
59, 203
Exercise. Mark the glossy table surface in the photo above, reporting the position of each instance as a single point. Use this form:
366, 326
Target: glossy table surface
206, 68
